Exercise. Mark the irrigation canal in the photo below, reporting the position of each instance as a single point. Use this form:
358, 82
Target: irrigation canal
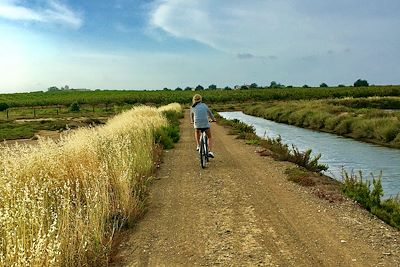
337, 152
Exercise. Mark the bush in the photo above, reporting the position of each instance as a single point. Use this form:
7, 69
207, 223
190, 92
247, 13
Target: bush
74, 107
3, 106
388, 210
304, 159
165, 136
168, 135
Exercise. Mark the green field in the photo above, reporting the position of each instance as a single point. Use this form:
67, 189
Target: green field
304, 107
66, 98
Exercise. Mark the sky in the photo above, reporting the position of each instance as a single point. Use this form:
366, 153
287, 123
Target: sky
152, 44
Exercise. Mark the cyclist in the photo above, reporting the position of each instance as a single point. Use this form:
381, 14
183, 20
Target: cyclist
199, 113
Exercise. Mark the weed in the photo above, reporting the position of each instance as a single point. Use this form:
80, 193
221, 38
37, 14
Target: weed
356, 188
300, 176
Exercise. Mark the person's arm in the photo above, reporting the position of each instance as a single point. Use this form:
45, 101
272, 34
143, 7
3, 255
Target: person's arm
191, 116
210, 114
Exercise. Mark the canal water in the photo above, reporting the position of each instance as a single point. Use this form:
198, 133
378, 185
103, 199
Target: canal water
337, 152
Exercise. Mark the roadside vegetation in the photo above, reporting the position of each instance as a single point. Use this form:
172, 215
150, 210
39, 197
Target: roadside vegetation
375, 120
356, 188
62, 202
274, 146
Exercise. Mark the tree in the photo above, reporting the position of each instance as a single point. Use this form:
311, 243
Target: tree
341, 85
178, 89
275, 85
53, 89
360, 83
253, 86
323, 85
244, 87
199, 88
227, 88
212, 87
3, 106
306, 86
166, 89
188, 88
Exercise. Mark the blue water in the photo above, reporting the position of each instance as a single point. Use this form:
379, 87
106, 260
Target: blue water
337, 152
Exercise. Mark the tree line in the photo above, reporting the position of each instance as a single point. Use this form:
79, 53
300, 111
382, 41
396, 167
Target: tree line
273, 84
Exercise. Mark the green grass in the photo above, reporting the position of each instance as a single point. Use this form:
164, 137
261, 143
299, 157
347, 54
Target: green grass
168, 135
61, 112
25, 130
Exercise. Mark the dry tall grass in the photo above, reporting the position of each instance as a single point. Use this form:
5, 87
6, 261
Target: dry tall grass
61, 202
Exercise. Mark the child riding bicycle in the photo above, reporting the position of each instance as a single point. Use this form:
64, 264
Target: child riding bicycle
199, 114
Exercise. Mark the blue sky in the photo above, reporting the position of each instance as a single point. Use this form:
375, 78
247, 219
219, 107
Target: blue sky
139, 44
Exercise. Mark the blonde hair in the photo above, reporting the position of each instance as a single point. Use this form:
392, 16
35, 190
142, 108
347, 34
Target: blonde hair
196, 98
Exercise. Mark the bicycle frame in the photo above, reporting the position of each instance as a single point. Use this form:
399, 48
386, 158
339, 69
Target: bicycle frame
203, 151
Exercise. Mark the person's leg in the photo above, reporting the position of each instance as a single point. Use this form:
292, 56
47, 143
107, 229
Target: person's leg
197, 136
208, 132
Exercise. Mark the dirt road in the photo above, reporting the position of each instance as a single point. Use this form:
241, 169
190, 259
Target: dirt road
242, 211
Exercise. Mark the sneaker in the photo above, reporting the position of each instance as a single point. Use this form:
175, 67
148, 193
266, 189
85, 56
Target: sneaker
197, 148
210, 154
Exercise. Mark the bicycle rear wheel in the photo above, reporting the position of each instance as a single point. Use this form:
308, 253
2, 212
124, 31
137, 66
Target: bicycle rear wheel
206, 148
202, 153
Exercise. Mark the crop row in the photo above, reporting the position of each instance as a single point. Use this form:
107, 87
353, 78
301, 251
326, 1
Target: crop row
211, 96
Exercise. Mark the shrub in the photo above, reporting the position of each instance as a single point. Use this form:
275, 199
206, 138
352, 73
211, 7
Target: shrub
74, 107
304, 159
388, 210
356, 188
3, 106
166, 136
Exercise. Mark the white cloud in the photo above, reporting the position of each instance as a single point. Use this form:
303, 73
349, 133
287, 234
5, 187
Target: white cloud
52, 12
258, 27
285, 29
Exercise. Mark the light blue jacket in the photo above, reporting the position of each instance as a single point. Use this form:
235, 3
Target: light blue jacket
199, 115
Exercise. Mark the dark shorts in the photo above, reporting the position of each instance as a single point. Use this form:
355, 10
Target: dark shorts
202, 129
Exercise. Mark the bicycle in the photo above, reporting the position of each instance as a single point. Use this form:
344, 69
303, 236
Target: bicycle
203, 149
